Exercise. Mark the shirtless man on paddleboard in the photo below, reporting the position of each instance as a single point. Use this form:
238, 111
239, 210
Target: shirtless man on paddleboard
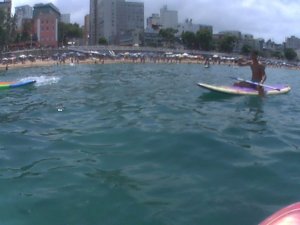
258, 73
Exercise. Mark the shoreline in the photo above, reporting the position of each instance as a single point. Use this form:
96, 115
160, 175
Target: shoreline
94, 61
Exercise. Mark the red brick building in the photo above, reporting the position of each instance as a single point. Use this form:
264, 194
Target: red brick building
45, 20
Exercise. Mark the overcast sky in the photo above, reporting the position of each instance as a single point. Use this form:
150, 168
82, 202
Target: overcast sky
268, 19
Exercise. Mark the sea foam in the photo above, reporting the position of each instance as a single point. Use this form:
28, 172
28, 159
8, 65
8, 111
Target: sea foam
43, 80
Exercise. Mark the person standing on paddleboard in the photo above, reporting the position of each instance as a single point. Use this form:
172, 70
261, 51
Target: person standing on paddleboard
258, 73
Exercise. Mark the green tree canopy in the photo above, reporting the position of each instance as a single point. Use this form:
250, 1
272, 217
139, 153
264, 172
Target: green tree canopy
246, 49
168, 35
102, 41
290, 54
7, 29
68, 31
226, 44
2, 29
205, 39
277, 54
189, 39
27, 31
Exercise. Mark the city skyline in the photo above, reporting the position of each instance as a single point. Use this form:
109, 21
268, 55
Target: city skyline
275, 21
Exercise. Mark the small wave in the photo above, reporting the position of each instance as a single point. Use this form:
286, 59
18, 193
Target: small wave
43, 80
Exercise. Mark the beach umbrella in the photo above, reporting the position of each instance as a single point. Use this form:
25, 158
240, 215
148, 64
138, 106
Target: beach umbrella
23, 56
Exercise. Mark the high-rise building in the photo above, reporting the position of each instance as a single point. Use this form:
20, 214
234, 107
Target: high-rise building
94, 22
156, 22
130, 23
45, 18
293, 42
118, 21
22, 13
65, 18
153, 23
168, 18
189, 26
86, 29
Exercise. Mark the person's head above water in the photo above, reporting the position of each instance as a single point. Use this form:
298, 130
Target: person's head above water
254, 55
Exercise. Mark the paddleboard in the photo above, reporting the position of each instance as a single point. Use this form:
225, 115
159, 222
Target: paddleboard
289, 215
236, 90
6, 85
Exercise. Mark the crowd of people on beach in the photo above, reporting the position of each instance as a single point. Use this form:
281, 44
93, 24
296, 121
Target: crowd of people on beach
73, 58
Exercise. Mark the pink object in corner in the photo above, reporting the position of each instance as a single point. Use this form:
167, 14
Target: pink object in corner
289, 215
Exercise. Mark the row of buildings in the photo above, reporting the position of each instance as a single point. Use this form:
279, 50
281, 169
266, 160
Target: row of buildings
43, 20
122, 22
25, 12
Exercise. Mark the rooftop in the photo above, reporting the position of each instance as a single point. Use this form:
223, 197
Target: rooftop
48, 5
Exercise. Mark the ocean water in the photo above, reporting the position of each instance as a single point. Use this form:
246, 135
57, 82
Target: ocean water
141, 144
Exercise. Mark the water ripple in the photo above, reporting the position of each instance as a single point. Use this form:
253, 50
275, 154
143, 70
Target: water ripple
144, 141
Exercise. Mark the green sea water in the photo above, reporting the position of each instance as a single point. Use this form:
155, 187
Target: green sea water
141, 144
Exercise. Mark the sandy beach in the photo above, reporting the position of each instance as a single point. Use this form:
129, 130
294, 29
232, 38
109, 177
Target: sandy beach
92, 60
50, 62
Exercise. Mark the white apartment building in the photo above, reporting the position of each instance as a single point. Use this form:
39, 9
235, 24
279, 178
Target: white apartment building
168, 18
189, 26
23, 12
292, 42
65, 18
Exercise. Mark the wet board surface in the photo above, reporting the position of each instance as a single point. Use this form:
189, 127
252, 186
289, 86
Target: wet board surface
235, 90
5, 85
289, 215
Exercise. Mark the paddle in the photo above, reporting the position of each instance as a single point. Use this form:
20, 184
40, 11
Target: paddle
255, 83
